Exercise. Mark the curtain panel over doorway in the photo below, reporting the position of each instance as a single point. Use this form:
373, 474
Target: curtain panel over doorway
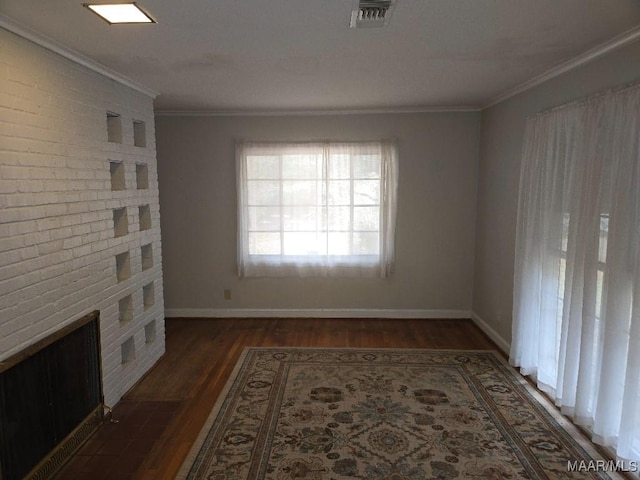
576, 313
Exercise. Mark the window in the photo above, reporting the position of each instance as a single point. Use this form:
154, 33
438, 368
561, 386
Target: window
319, 209
563, 285
601, 264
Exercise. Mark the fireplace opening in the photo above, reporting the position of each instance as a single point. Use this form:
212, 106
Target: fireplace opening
51, 400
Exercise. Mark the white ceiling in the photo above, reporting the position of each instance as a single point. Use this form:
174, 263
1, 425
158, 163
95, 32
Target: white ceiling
284, 55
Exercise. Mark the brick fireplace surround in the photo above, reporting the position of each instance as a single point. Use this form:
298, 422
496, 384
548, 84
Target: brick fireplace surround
79, 211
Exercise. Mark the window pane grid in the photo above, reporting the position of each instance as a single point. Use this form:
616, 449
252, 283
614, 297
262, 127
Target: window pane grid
281, 173
601, 266
356, 194
351, 213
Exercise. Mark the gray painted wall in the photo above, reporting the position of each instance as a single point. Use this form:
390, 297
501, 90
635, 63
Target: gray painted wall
435, 226
502, 131
447, 259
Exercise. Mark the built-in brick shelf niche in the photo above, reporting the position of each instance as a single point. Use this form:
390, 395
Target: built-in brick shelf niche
139, 134
123, 266
146, 252
117, 176
150, 332
145, 217
114, 127
148, 296
128, 351
142, 176
120, 222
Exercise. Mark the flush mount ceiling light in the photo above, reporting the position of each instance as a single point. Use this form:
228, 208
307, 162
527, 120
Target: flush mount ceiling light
114, 13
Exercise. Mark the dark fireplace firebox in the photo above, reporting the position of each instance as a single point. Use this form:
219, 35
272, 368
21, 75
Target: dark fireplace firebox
50, 400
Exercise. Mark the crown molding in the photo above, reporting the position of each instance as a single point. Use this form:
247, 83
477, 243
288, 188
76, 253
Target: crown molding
11, 25
619, 41
276, 113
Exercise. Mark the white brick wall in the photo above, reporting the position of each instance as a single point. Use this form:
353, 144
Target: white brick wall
57, 244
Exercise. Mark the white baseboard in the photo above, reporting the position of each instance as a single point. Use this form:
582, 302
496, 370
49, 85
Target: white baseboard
504, 345
313, 313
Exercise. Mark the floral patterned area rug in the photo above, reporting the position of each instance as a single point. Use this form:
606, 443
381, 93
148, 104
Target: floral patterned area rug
392, 414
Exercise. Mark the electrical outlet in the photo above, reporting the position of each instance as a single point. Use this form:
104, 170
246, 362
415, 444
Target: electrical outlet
227, 294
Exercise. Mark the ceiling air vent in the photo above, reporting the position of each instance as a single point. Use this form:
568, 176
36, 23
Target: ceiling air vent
371, 13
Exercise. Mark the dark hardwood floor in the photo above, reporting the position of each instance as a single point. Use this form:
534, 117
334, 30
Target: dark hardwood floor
161, 416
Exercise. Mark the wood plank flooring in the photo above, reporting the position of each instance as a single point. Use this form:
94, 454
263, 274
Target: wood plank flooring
159, 419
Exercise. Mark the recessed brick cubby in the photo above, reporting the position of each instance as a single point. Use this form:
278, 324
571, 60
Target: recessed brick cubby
142, 176
146, 252
117, 176
125, 309
150, 332
128, 351
139, 133
123, 266
148, 296
114, 127
145, 217
120, 222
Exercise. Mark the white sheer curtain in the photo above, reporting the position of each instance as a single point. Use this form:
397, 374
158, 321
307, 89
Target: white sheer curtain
316, 209
577, 272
